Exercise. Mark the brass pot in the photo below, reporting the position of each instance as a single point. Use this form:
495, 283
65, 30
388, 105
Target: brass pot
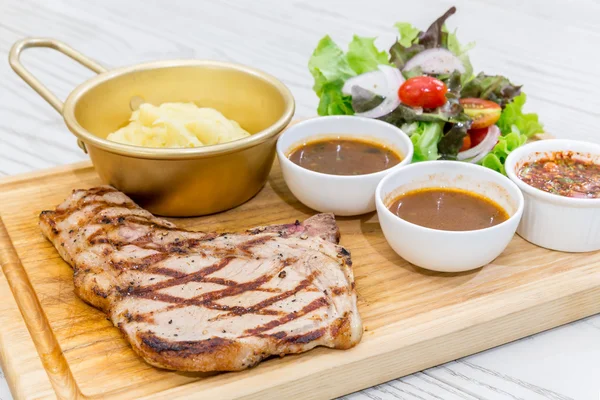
173, 182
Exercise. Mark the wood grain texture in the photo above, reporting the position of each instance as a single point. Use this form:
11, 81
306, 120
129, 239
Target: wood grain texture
48, 348
22, 353
414, 319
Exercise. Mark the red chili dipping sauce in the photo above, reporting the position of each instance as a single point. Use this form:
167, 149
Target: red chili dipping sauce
565, 173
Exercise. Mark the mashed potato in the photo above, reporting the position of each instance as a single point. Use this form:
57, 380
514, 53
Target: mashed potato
177, 125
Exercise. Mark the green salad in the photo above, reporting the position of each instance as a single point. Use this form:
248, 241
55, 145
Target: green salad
425, 85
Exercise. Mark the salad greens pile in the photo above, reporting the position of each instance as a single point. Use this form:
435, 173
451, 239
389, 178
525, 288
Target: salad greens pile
437, 132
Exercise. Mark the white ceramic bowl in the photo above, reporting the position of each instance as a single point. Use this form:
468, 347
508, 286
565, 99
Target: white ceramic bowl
552, 221
341, 195
448, 251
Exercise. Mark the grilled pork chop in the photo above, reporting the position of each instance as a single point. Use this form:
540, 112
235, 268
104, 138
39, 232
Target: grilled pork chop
198, 301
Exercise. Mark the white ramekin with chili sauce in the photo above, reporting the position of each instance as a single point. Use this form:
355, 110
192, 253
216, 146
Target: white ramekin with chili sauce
560, 180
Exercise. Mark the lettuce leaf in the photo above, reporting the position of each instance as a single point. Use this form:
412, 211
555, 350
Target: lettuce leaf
400, 54
331, 67
451, 141
435, 35
409, 127
405, 114
407, 33
411, 73
516, 128
364, 100
328, 63
332, 101
363, 56
425, 137
460, 51
455, 47
496, 88
506, 143
513, 116
411, 42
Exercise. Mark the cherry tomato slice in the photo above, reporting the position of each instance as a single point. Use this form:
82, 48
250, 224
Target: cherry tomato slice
423, 91
477, 135
483, 112
466, 143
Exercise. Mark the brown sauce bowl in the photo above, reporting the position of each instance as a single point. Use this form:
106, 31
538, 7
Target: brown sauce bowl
173, 182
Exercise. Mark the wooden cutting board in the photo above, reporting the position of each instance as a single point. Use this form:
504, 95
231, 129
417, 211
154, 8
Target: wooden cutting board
414, 319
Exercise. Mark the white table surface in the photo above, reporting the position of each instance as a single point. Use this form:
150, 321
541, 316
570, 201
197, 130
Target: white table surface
550, 46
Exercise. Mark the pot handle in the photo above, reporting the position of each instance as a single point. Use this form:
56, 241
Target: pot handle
15, 63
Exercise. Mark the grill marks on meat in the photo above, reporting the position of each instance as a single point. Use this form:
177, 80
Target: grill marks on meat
201, 301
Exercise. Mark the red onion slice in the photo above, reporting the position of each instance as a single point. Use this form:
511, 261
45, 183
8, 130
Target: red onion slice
393, 81
435, 61
475, 154
373, 81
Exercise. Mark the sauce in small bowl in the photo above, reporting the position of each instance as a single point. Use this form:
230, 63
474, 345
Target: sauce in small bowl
448, 216
565, 173
333, 164
344, 156
559, 179
448, 209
